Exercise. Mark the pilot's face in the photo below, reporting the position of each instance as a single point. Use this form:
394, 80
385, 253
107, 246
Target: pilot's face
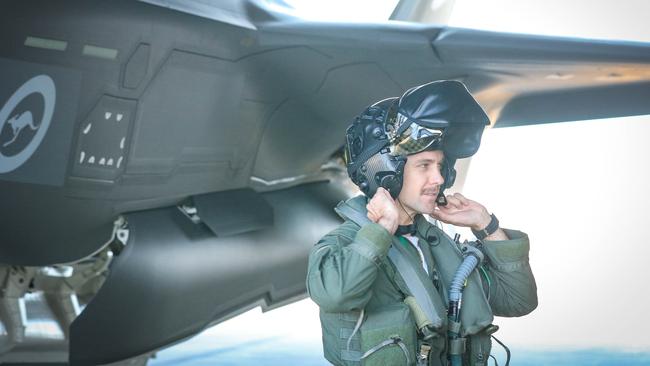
422, 181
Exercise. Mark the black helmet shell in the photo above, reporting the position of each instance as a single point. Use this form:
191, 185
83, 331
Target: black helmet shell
444, 105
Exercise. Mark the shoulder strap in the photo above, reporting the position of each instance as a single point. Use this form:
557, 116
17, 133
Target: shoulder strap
418, 285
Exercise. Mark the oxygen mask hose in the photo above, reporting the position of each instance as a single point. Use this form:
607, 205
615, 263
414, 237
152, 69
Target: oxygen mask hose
473, 257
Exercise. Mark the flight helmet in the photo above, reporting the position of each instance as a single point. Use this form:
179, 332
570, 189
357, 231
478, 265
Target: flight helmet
441, 115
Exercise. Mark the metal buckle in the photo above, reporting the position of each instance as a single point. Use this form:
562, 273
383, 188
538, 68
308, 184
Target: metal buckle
423, 354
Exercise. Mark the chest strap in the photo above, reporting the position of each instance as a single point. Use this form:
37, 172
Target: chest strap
418, 285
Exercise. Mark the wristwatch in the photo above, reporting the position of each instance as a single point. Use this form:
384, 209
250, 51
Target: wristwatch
488, 230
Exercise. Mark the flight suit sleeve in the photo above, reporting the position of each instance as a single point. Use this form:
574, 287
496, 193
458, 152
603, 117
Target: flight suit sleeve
343, 266
513, 291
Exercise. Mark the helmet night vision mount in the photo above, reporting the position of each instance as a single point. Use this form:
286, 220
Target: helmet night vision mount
441, 115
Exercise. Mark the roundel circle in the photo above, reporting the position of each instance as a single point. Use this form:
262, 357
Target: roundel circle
43, 85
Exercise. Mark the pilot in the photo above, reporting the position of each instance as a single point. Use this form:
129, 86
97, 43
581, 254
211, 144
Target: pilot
393, 288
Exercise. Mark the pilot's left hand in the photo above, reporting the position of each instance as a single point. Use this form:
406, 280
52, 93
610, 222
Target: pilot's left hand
461, 211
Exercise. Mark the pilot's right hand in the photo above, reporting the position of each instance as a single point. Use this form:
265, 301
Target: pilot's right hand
382, 209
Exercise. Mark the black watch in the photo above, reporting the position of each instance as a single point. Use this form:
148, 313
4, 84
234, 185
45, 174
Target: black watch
488, 230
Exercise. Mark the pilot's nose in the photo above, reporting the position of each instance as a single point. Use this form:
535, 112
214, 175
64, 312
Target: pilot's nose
436, 178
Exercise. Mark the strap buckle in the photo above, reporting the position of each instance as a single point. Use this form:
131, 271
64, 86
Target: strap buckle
423, 354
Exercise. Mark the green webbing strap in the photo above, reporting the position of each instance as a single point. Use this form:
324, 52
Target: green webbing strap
417, 284
350, 355
350, 316
345, 333
421, 319
393, 340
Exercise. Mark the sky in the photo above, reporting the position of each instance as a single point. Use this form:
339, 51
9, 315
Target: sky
578, 189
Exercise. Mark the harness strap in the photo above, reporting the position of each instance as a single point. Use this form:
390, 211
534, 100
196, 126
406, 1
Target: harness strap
421, 288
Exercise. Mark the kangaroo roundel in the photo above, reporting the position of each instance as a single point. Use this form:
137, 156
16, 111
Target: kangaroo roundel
19, 122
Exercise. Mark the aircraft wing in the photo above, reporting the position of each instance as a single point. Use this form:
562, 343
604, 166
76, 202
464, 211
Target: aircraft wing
236, 110
519, 79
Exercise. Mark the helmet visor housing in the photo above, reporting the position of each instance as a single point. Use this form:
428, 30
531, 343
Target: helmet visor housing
416, 138
409, 137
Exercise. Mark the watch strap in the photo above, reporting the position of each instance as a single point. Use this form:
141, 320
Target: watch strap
488, 230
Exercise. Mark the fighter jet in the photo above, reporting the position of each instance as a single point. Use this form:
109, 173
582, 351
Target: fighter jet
166, 165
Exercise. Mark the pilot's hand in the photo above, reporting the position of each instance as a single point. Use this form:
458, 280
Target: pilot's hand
461, 211
383, 210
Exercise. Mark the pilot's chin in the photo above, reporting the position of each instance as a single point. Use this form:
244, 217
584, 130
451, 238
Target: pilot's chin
429, 204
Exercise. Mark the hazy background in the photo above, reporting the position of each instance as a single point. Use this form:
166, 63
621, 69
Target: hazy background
580, 190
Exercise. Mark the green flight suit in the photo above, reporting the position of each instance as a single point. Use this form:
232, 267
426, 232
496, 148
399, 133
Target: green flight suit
349, 272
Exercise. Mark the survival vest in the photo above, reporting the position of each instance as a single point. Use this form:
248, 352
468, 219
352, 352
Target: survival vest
426, 306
